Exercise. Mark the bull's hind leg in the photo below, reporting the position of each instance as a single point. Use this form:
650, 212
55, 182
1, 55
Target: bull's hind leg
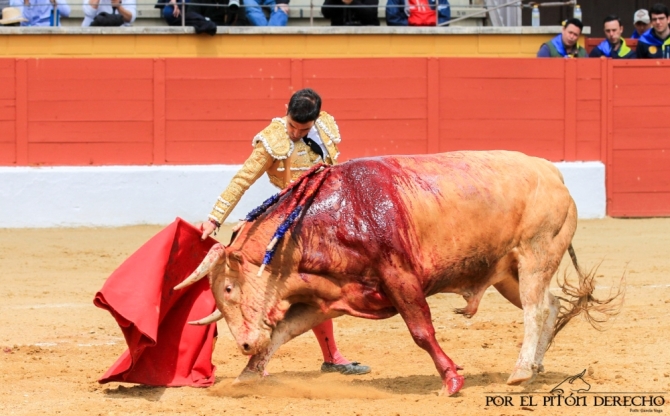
406, 295
538, 261
534, 287
547, 331
299, 319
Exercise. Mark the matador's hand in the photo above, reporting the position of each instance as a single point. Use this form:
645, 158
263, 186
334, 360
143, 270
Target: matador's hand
206, 227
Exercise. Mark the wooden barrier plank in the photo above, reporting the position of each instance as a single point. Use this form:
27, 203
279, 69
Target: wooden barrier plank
214, 130
8, 89
22, 110
529, 68
215, 69
222, 109
647, 117
8, 108
639, 204
433, 103
8, 132
512, 89
366, 147
411, 130
641, 170
604, 110
588, 140
297, 79
643, 95
633, 138
107, 71
365, 68
548, 149
501, 108
653, 77
375, 88
7, 67
91, 110
93, 131
588, 69
242, 88
366, 109
495, 130
199, 152
78, 154
588, 89
588, 110
90, 89
570, 110
587, 150
159, 112
7, 153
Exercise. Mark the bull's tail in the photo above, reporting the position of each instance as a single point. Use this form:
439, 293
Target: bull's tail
580, 299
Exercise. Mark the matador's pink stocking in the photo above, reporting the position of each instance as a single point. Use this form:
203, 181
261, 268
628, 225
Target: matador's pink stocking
324, 334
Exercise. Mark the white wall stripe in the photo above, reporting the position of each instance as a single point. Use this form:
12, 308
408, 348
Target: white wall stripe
128, 195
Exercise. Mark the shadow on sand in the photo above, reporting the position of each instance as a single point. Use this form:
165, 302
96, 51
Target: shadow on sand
149, 393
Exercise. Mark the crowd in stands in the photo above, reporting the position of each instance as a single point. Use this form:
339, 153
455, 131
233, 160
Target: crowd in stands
651, 27
225, 12
651, 33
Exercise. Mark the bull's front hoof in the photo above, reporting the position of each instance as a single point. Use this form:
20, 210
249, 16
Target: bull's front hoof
247, 377
521, 375
452, 386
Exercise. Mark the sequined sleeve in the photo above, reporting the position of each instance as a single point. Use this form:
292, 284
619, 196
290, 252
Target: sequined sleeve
254, 167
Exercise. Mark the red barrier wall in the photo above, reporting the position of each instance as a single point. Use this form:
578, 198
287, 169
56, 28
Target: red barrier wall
200, 111
638, 163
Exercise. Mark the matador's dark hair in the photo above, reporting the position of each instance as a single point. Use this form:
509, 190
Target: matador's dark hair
304, 106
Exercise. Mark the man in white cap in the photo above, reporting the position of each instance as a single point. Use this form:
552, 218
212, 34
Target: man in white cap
642, 23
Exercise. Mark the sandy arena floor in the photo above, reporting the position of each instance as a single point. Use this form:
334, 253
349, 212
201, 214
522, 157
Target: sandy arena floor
54, 343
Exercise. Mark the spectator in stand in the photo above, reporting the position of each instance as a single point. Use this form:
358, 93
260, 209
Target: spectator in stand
3, 4
565, 45
351, 12
641, 22
38, 12
96, 12
655, 42
219, 12
411, 12
614, 45
278, 12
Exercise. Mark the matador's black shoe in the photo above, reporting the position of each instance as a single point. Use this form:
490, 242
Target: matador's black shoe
351, 369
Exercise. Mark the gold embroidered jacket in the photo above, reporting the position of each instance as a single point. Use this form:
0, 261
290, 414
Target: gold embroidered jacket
273, 153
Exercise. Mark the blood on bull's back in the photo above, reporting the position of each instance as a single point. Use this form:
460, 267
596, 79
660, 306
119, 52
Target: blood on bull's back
452, 214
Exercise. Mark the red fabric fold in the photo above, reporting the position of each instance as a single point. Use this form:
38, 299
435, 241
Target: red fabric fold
163, 350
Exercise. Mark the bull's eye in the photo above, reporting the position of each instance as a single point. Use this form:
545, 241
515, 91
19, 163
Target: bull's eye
229, 289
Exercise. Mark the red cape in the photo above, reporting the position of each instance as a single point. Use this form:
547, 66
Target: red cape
163, 350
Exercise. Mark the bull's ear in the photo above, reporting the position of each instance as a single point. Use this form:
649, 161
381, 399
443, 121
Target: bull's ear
236, 260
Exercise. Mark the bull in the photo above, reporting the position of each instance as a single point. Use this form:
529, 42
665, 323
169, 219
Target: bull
375, 237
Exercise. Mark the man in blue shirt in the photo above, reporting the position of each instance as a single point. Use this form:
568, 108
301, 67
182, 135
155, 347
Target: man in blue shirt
564, 45
614, 45
642, 23
38, 12
655, 42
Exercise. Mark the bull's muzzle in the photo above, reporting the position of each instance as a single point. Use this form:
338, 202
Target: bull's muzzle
254, 342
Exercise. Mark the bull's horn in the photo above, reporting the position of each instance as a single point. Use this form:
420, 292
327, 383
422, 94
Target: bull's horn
203, 269
237, 230
239, 226
215, 316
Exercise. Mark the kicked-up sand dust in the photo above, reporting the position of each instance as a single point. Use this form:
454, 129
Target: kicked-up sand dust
54, 344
